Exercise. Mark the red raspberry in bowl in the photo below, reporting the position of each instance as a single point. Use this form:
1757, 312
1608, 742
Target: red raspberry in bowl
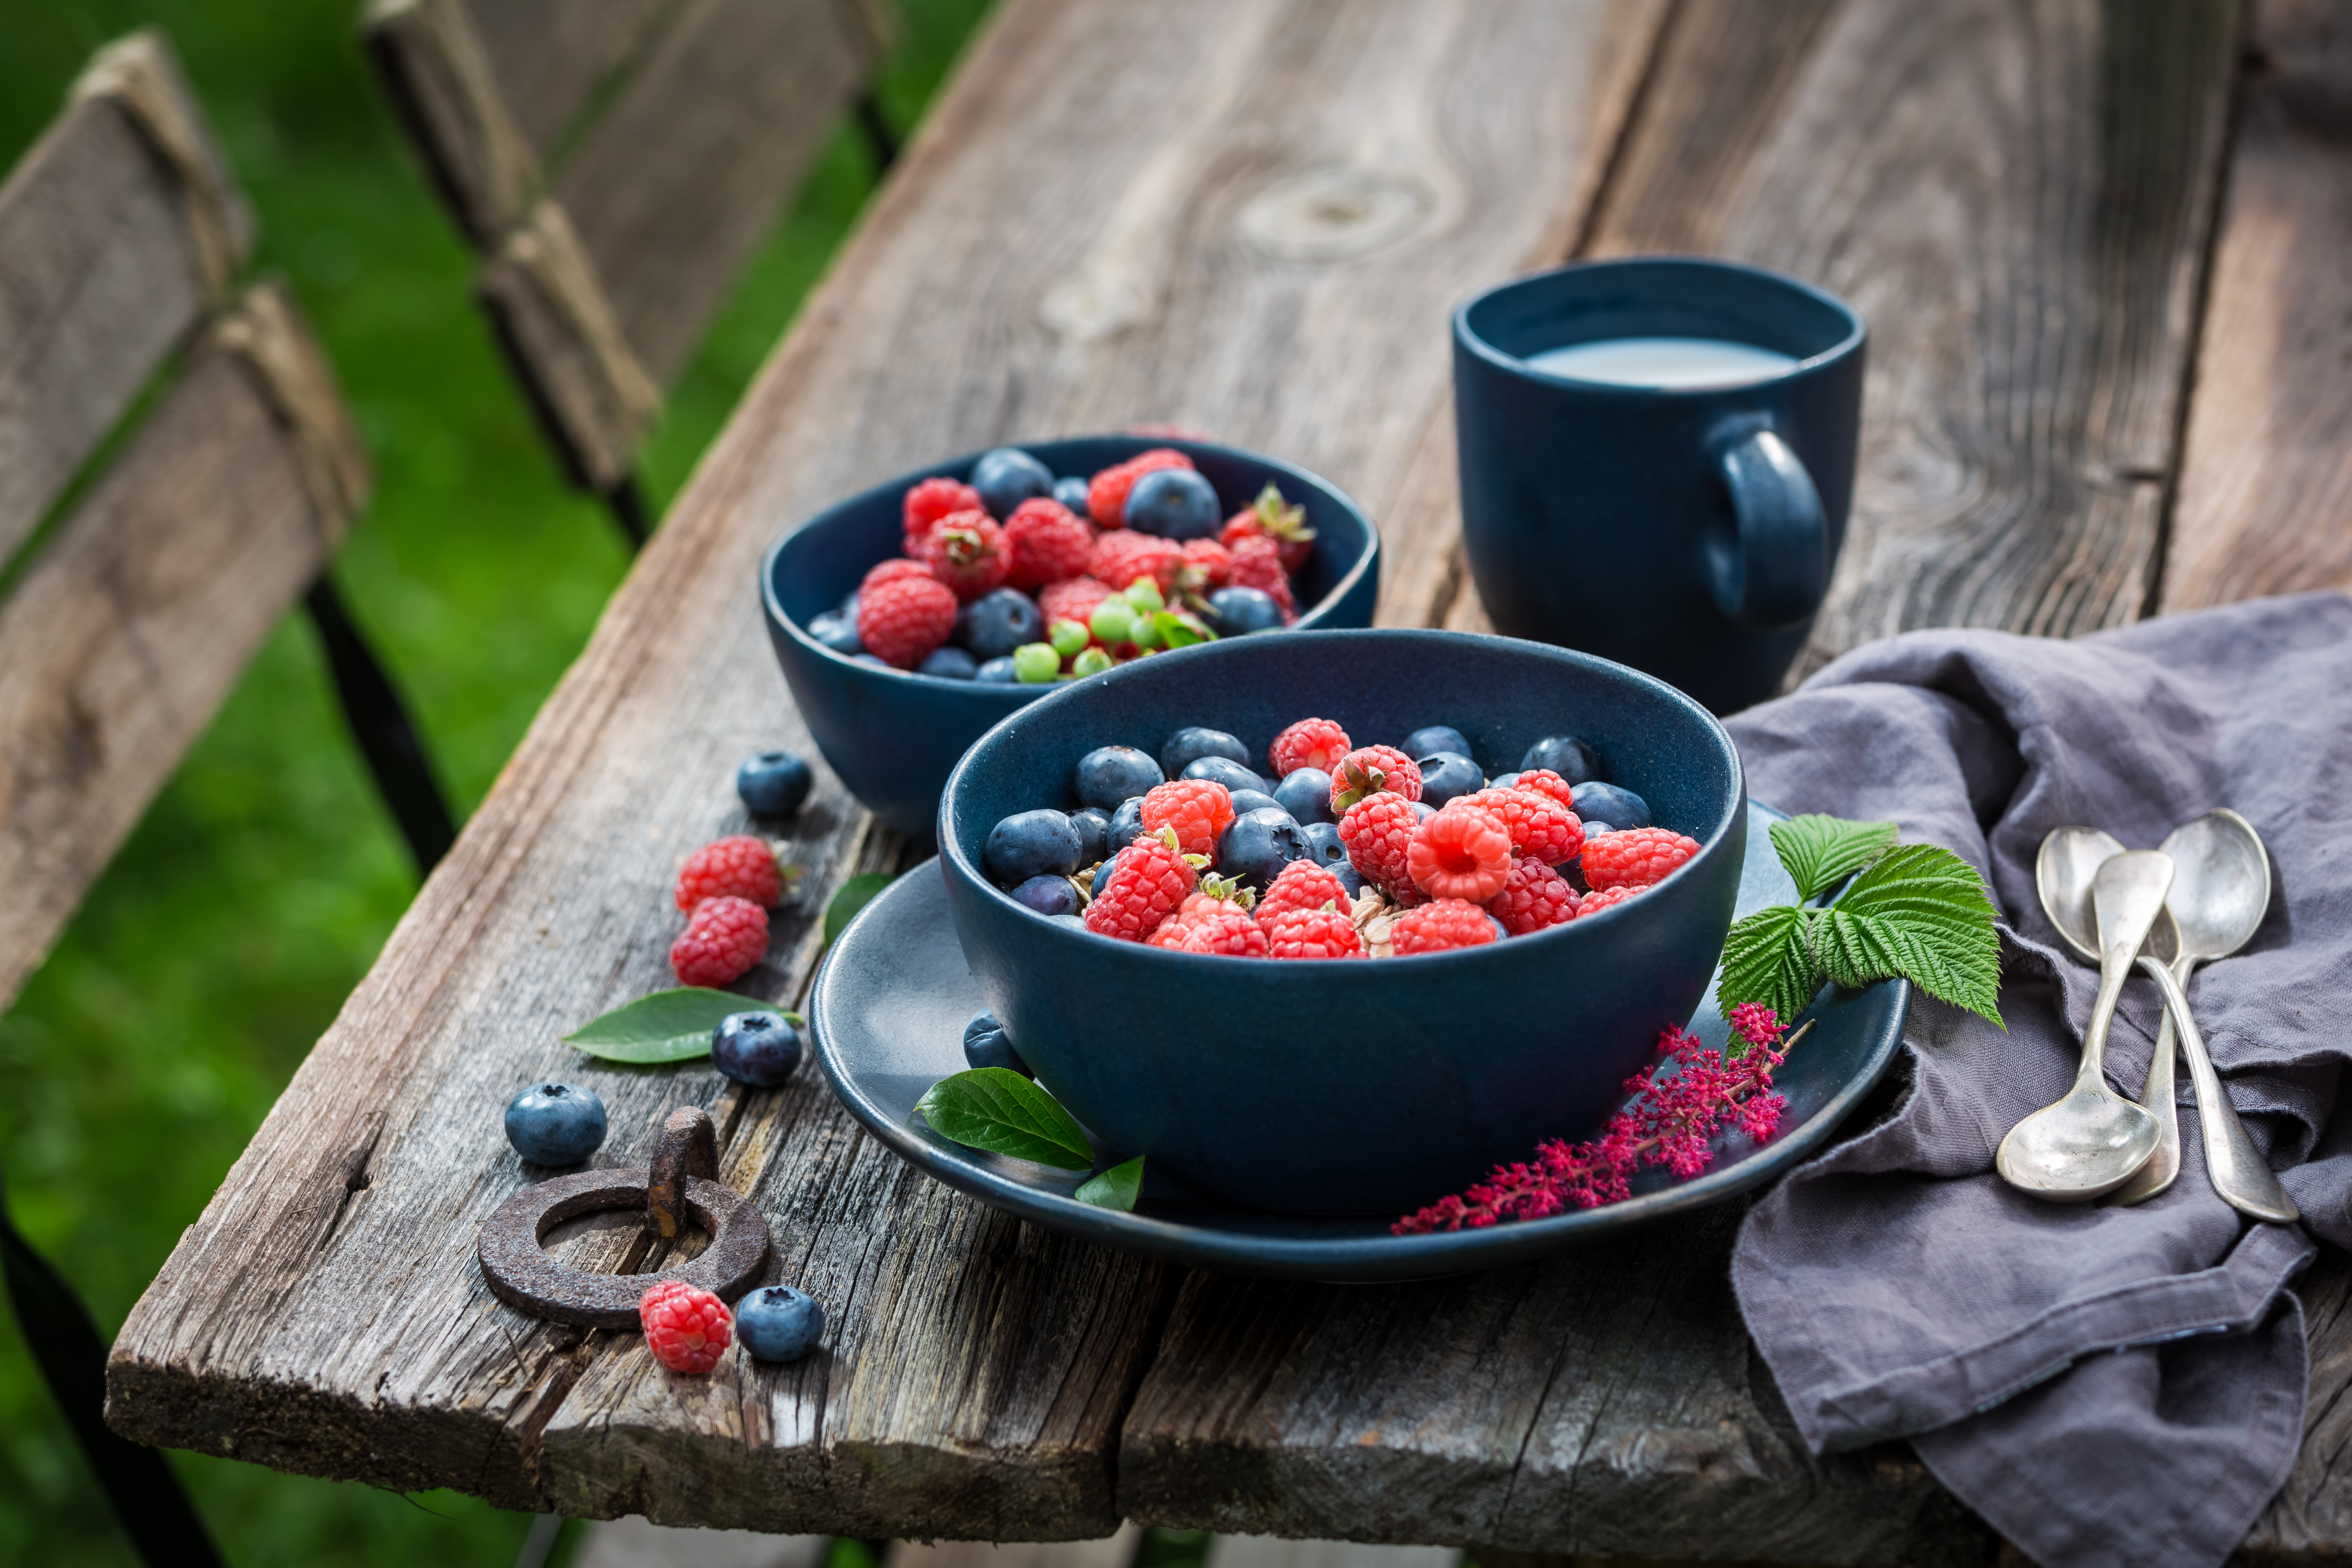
1312, 933
739, 867
1437, 926
1197, 810
1107, 491
1151, 877
901, 621
965, 550
1370, 770
1545, 782
1606, 898
1122, 555
1231, 933
1636, 858
928, 500
1378, 831
687, 1329
1255, 565
1046, 541
1272, 519
1302, 885
898, 566
1073, 599
1208, 566
1533, 896
1463, 852
1309, 743
725, 939
1539, 825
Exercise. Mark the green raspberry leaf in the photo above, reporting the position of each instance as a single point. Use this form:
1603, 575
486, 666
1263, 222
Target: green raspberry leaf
997, 1109
1767, 959
667, 1026
853, 896
1820, 851
1116, 1188
1921, 912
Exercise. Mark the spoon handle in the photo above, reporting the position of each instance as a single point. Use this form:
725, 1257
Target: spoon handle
2157, 1096
2240, 1175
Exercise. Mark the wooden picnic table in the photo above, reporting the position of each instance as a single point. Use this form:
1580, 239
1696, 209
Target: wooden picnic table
2102, 250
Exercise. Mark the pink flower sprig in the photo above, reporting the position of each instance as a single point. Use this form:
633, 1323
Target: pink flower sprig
1670, 1121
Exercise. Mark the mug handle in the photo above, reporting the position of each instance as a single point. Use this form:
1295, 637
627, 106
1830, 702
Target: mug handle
1774, 570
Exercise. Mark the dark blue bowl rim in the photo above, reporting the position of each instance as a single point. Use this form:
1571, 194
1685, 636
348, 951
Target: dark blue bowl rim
962, 465
1498, 954
1857, 332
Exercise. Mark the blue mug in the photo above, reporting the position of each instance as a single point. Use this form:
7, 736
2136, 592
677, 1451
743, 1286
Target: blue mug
1656, 462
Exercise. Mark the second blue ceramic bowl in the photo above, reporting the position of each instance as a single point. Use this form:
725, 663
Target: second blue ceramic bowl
892, 735
1365, 1086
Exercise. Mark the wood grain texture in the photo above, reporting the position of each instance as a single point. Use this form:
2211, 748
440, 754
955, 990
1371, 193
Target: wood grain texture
1089, 230
2265, 495
552, 59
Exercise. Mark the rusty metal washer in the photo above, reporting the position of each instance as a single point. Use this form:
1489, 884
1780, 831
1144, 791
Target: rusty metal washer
525, 1277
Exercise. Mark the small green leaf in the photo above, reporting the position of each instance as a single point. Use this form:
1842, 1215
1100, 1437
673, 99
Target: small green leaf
997, 1109
667, 1027
1181, 631
1922, 912
853, 896
1823, 851
1766, 958
1114, 1188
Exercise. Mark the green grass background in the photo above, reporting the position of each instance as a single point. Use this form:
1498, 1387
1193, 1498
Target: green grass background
261, 884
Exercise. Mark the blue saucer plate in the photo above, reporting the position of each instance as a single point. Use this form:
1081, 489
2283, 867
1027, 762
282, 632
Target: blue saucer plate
887, 1013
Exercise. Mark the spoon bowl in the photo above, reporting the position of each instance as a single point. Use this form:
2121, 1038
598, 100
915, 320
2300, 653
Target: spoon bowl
2222, 884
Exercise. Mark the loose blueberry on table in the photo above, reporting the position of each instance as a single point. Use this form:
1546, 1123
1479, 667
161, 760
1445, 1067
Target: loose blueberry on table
758, 1047
777, 1322
773, 783
555, 1124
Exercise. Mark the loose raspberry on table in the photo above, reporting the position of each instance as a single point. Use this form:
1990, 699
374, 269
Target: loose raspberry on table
1231, 933
1309, 743
724, 939
1313, 933
1122, 555
1636, 858
1370, 770
1545, 782
902, 621
965, 550
1198, 809
1046, 541
1539, 825
1208, 566
1533, 896
895, 567
1378, 831
740, 867
1107, 491
1302, 885
1607, 897
1073, 599
1463, 852
687, 1329
1437, 926
1150, 880
931, 499
1256, 565
1276, 520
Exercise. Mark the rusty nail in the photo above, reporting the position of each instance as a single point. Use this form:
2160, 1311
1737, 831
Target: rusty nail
688, 1147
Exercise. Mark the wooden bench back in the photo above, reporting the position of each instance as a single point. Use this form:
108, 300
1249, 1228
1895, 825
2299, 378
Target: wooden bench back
617, 163
121, 233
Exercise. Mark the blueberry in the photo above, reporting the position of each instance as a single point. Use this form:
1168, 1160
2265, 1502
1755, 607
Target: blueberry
555, 1125
1102, 877
1503, 781
759, 1048
1048, 895
1571, 758
1187, 746
847, 608
777, 1322
1226, 772
1256, 844
877, 660
1174, 503
1237, 612
837, 632
1000, 671
1422, 810
949, 664
985, 1046
1434, 739
772, 784
1030, 844
1305, 794
1257, 800
1007, 477
1093, 834
1109, 774
1126, 823
1075, 922
1326, 849
1607, 803
1447, 776
1071, 494
997, 622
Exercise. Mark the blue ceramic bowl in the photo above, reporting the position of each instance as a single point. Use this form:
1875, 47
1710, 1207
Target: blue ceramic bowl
1362, 1086
893, 736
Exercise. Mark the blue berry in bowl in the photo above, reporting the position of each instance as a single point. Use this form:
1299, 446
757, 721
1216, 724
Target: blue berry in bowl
758, 1048
1174, 503
1505, 781
1571, 758
1447, 776
555, 1124
1435, 738
999, 621
837, 632
1226, 772
984, 1044
1007, 477
1048, 895
998, 671
1189, 744
773, 783
1256, 844
1126, 823
777, 1322
1305, 794
1028, 843
876, 660
1093, 834
1325, 847
1236, 612
1255, 800
1071, 494
1609, 804
1109, 775
950, 663
1422, 810
1102, 875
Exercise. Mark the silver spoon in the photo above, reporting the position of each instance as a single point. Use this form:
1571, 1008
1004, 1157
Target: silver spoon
2093, 1140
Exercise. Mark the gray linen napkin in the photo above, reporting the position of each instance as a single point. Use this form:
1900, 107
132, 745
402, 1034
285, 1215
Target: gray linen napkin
2105, 1385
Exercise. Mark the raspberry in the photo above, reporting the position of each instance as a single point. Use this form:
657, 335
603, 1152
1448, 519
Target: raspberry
1636, 858
725, 937
1378, 831
1369, 770
1151, 879
741, 867
1437, 926
1545, 782
1107, 491
1313, 933
1539, 824
1533, 896
965, 550
1233, 933
1073, 599
686, 1328
1198, 809
1122, 555
931, 500
1272, 519
902, 620
1309, 743
1302, 885
1217, 896
1608, 898
1208, 566
1463, 852
895, 567
1255, 565
1046, 541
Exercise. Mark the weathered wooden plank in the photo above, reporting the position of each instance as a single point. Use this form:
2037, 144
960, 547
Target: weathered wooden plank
2265, 495
1116, 212
552, 59
1273, 1552
637, 1543
100, 276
